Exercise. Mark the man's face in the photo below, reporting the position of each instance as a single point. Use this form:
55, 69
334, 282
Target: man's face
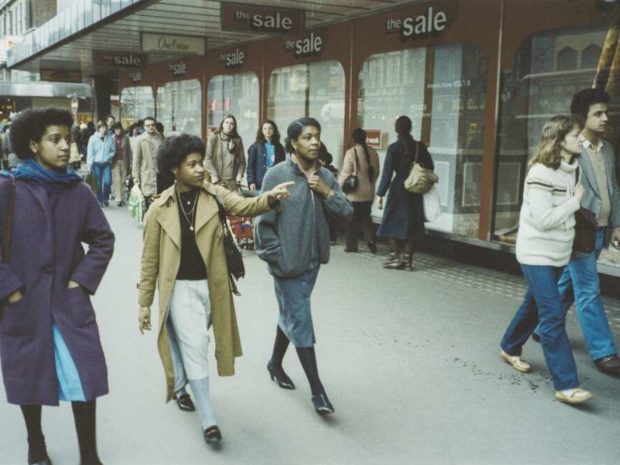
52, 151
101, 130
190, 173
308, 143
228, 125
597, 119
149, 125
110, 122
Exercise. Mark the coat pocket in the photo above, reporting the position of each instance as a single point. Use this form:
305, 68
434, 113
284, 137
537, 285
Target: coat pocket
80, 307
15, 318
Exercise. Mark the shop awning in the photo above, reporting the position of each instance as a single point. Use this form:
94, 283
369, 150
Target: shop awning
45, 89
68, 40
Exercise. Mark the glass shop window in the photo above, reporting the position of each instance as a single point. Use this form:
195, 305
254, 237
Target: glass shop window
136, 103
443, 90
236, 95
315, 90
179, 107
548, 69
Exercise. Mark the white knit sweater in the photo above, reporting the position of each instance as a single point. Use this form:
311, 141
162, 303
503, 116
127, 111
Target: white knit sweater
547, 219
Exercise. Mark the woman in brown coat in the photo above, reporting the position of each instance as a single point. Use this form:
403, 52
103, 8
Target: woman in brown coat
225, 159
184, 255
363, 162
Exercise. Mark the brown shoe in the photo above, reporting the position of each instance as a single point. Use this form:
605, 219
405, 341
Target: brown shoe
516, 362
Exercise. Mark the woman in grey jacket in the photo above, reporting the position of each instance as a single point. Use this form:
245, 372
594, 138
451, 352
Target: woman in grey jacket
294, 241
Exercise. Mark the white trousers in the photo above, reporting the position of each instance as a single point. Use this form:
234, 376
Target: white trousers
190, 313
118, 180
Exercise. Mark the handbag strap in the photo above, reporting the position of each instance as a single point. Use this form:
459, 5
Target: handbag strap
356, 162
7, 233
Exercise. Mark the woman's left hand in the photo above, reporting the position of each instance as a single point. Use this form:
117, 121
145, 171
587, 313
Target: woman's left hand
280, 192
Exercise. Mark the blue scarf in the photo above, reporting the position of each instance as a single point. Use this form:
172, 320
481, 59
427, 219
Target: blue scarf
52, 180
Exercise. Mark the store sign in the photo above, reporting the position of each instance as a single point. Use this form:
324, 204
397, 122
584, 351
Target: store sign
373, 138
433, 20
178, 69
136, 76
306, 46
60, 75
243, 17
119, 60
166, 43
234, 59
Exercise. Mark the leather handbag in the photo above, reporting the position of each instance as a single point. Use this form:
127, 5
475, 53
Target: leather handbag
234, 258
351, 183
585, 229
420, 179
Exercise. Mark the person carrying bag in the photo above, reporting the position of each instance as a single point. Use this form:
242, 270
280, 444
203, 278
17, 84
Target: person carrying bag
420, 179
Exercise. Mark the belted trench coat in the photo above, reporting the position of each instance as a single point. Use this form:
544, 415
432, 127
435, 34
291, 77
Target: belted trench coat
161, 258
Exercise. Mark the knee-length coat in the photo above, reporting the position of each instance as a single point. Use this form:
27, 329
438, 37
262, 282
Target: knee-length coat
161, 258
46, 253
403, 217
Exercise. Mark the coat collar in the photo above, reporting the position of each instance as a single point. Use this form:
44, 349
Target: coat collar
168, 207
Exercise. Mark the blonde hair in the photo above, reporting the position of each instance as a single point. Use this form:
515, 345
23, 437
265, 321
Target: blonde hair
551, 137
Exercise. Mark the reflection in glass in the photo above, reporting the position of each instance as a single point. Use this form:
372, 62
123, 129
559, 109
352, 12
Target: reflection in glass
136, 103
179, 107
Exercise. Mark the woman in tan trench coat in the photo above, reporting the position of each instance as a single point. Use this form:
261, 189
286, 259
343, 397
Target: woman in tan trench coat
184, 255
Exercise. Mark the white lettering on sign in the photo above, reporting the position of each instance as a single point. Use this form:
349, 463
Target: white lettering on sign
127, 60
307, 46
277, 22
136, 76
431, 22
236, 58
178, 69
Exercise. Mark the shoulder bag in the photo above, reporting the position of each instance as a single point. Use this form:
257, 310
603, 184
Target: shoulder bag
585, 230
234, 258
351, 183
420, 179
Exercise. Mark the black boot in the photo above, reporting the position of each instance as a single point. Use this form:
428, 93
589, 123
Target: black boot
321, 403
84, 414
276, 372
37, 452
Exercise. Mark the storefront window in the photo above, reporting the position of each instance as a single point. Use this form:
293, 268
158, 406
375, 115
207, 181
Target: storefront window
315, 90
136, 103
442, 89
549, 68
179, 107
236, 95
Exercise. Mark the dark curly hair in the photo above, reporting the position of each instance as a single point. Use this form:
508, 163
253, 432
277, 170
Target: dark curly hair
295, 129
29, 126
174, 150
260, 137
583, 99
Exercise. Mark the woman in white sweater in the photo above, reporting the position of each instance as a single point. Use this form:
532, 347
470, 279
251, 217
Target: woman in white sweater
551, 197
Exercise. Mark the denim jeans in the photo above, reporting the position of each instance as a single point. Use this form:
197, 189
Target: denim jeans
103, 174
542, 304
580, 283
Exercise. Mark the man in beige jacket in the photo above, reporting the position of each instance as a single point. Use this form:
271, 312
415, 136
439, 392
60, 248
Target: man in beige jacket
144, 169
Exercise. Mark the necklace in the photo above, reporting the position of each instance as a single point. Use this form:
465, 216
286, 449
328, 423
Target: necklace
190, 216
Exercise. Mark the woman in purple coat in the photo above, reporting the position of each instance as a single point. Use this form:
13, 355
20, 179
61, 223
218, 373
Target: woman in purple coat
49, 341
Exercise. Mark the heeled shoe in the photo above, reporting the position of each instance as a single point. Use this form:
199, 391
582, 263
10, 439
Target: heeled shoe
212, 435
280, 377
37, 454
407, 262
393, 261
322, 405
184, 401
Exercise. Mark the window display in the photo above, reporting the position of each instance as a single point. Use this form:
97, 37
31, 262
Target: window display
179, 107
136, 104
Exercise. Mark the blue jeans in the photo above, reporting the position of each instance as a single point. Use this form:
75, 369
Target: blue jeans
542, 304
580, 283
103, 174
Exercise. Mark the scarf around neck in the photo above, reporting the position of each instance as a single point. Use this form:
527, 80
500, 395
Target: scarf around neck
52, 180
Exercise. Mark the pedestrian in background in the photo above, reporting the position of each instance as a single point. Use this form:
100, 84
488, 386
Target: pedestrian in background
403, 219
100, 153
75, 158
183, 252
544, 246
264, 153
49, 340
121, 163
294, 241
363, 162
144, 169
325, 160
225, 159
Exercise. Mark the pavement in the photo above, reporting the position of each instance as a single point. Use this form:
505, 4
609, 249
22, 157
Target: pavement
410, 361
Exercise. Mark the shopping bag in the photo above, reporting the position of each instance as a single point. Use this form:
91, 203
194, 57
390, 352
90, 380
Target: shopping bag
432, 205
135, 204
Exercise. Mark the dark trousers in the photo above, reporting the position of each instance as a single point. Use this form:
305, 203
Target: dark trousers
361, 221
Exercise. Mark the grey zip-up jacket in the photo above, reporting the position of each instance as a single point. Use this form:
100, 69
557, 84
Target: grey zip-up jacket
286, 237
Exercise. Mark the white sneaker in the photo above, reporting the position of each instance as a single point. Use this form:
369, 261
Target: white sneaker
573, 396
516, 362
